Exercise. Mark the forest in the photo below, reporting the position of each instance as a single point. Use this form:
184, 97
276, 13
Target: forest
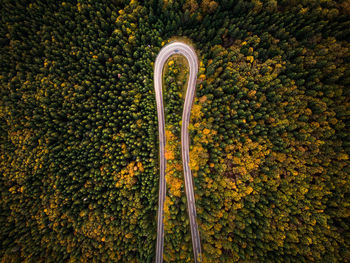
269, 130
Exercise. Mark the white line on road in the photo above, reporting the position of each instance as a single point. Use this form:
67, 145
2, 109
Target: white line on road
190, 55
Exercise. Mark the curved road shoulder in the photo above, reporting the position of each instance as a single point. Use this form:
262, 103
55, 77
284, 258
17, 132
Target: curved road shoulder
167, 51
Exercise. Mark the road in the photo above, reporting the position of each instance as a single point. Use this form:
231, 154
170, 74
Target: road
176, 48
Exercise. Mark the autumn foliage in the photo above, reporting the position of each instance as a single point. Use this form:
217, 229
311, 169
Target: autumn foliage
269, 130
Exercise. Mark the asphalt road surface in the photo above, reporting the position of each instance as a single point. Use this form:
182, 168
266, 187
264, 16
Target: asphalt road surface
175, 48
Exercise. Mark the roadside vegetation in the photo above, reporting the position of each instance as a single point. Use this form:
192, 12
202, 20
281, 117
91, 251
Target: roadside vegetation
269, 130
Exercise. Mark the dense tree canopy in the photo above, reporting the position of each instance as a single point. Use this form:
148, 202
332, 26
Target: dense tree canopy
269, 130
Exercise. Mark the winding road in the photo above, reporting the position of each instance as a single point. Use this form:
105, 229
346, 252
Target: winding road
176, 48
